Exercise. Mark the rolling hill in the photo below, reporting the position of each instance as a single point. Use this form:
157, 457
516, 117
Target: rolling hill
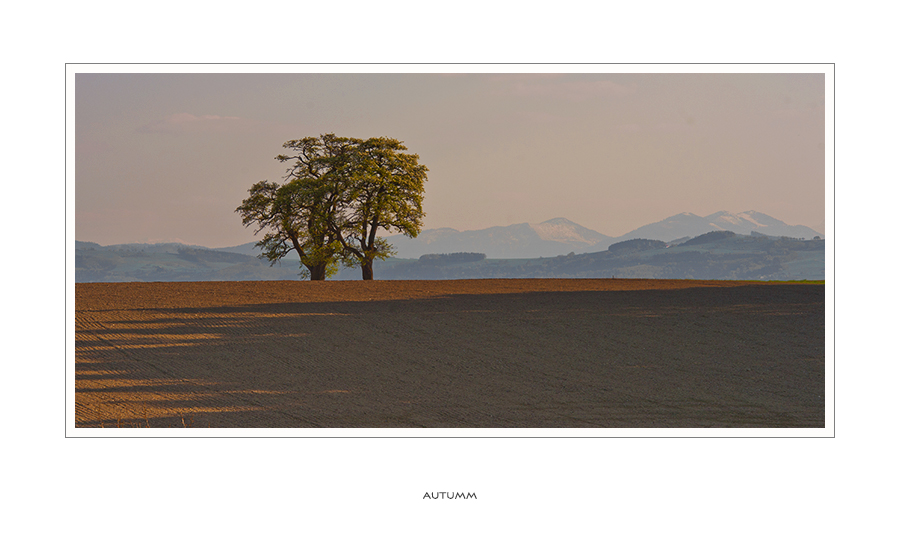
560, 236
747, 245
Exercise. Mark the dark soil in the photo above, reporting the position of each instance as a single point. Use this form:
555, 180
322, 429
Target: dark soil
537, 353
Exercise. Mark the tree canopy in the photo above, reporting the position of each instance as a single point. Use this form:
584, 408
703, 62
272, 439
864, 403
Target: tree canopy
337, 194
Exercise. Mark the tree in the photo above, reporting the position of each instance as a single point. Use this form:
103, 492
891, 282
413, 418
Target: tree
338, 193
296, 214
384, 188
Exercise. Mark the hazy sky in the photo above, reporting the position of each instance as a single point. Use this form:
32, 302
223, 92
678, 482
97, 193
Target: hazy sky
168, 157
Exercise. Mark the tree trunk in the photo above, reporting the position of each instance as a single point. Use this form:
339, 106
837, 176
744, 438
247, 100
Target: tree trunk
317, 272
367, 273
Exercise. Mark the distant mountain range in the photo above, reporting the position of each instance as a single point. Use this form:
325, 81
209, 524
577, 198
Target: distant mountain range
748, 245
714, 255
560, 236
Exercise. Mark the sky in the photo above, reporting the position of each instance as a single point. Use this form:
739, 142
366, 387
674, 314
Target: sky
162, 157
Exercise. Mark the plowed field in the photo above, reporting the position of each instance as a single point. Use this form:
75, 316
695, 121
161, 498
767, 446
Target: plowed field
472, 353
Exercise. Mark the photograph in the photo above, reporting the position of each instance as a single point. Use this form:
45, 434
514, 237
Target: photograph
493, 250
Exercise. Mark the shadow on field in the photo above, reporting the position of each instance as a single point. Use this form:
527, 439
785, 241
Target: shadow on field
749, 356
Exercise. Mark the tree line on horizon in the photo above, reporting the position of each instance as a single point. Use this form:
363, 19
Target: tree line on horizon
336, 194
708, 256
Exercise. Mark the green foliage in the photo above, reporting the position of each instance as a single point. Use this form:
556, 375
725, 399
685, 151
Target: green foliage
338, 193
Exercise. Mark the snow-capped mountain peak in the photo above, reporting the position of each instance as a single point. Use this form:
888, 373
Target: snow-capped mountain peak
563, 230
560, 236
744, 222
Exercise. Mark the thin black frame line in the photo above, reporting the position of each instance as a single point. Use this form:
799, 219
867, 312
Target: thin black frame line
834, 209
453, 64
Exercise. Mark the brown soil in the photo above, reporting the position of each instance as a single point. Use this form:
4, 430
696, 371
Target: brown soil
471, 353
